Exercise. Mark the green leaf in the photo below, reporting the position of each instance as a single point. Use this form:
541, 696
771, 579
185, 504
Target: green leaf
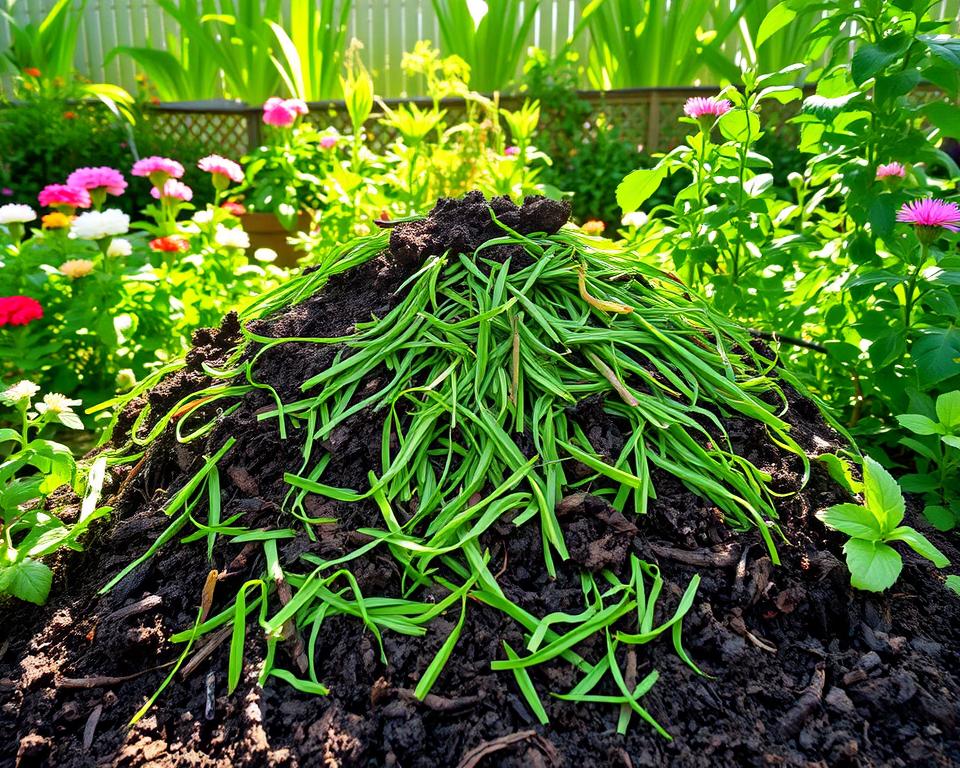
778, 17
870, 60
853, 520
841, 470
948, 409
952, 440
637, 187
27, 580
940, 517
873, 565
919, 425
953, 582
882, 495
937, 355
945, 116
919, 544
7, 435
740, 125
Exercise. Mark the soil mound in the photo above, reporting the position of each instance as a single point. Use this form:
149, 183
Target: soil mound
799, 669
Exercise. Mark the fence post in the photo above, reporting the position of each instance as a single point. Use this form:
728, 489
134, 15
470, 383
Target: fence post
653, 122
252, 116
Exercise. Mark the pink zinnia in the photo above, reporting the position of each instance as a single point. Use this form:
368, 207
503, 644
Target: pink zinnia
172, 190
107, 179
161, 167
327, 141
64, 195
891, 170
221, 166
283, 112
699, 106
19, 310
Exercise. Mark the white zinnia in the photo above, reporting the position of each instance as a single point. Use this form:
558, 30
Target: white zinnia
17, 393
96, 225
15, 213
56, 403
119, 248
231, 237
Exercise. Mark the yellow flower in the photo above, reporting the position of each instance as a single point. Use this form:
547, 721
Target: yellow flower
56, 220
75, 268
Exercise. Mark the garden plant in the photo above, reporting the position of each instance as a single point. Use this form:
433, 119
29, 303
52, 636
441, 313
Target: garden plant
535, 445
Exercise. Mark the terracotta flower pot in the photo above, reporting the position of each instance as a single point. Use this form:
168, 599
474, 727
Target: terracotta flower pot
266, 231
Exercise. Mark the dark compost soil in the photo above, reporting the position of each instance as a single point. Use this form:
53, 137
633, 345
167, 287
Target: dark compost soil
804, 671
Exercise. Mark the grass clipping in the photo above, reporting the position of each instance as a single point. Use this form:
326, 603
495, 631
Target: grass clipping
503, 321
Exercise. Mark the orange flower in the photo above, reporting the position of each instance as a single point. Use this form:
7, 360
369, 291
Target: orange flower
68, 115
171, 244
56, 220
593, 227
31, 71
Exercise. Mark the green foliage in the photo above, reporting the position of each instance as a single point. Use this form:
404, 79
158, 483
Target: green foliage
874, 564
936, 446
310, 55
490, 37
31, 468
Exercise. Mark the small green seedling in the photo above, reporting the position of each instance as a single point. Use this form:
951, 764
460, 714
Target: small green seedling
875, 565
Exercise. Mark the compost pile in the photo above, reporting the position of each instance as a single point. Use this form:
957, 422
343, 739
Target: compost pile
471, 493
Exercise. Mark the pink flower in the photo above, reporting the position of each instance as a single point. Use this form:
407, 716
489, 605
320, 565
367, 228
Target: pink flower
109, 180
6, 192
221, 166
172, 190
699, 106
931, 213
65, 196
283, 112
327, 141
162, 168
891, 170
511, 151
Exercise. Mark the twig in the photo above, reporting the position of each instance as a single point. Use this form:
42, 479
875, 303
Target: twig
104, 681
610, 376
472, 758
440, 703
90, 729
141, 606
721, 556
215, 641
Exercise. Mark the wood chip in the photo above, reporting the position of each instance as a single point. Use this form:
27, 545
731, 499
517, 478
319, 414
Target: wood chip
134, 609
203, 653
90, 729
720, 556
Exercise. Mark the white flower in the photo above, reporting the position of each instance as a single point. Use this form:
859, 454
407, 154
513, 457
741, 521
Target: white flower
119, 248
231, 237
76, 268
265, 255
96, 225
15, 213
54, 402
126, 379
635, 219
16, 394
203, 217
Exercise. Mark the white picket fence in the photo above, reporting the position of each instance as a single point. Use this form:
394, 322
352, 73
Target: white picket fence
386, 27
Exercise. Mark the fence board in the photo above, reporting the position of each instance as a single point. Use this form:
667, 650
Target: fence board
386, 27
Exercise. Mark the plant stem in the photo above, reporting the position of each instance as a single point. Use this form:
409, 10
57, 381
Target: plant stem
912, 286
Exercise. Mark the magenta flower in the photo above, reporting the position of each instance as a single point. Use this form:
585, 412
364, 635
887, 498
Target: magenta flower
511, 151
64, 196
6, 192
700, 106
220, 166
283, 113
157, 169
172, 190
891, 171
928, 215
328, 141
107, 179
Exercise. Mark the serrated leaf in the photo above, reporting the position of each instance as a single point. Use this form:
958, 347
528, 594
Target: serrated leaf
853, 520
874, 566
940, 517
919, 544
882, 495
27, 580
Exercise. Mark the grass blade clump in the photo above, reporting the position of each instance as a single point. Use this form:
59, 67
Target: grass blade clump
502, 332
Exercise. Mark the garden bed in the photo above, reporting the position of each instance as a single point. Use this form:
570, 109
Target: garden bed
800, 669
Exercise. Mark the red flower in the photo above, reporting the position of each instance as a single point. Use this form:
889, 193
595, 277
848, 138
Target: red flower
171, 244
68, 115
19, 310
236, 209
32, 71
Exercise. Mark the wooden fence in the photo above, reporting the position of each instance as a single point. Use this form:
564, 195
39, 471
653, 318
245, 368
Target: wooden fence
386, 27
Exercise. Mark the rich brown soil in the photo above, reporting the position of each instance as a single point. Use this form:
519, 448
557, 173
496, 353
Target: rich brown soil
803, 670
